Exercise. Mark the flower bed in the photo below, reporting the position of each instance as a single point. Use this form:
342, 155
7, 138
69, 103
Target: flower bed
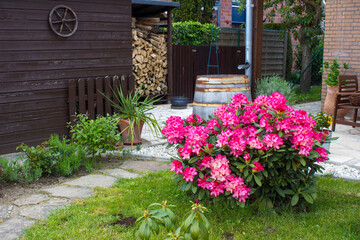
262, 152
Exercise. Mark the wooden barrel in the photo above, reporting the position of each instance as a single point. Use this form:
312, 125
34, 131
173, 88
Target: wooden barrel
212, 91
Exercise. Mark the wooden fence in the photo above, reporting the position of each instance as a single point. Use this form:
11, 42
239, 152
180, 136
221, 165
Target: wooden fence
85, 94
190, 61
274, 48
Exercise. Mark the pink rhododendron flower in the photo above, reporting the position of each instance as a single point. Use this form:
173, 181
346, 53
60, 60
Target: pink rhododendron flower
216, 188
174, 130
232, 183
238, 100
229, 119
248, 117
323, 154
255, 143
189, 174
203, 183
242, 193
176, 166
223, 138
220, 168
258, 167
219, 112
272, 140
211, 124
206, 162
191, 119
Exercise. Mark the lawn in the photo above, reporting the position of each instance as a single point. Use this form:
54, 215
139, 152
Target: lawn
334, 215
314, 94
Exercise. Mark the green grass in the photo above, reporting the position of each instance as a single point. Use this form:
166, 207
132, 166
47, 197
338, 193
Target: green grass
314, 94
334, 215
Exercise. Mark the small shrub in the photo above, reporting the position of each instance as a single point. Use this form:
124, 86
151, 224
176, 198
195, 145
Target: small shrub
9, 170
263, 152
39, 157
97, 136
269, 85
195, 225
70, 156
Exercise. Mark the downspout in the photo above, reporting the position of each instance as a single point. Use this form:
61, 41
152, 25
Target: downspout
248, 40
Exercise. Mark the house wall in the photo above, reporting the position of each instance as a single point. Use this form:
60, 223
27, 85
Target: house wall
342, 36
36, 64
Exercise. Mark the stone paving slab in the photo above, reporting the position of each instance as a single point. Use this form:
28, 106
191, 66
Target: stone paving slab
40, 211
119, 173
5, 211
13, 228
142, 166
31, 200
92, 180
69, 192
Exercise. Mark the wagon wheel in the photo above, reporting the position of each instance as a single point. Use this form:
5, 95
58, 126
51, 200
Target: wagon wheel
63, 21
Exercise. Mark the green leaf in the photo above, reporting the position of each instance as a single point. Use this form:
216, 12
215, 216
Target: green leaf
302, 161
289, 191
280, 191
201, 194
195, 229
257, 180
295, 199
204, 231
204, 220
188, 186
194, 189
307, 197
239, 165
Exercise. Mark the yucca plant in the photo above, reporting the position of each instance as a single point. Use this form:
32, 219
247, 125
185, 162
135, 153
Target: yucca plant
136, 112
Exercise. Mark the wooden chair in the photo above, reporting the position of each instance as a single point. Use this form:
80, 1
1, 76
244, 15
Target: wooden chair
348, 85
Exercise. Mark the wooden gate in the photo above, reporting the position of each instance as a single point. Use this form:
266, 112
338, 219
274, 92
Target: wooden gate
190, 61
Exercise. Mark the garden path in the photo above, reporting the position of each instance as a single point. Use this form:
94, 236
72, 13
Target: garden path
23, 212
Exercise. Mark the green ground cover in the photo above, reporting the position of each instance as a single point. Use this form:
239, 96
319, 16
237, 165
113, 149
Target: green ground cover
314, 94
334, 215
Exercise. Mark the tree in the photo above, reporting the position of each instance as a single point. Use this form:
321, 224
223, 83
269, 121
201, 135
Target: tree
194, 10
302, 18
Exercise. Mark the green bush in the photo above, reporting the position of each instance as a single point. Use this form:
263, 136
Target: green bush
70, 156
268, 85
9, 170
97, 136
192, 33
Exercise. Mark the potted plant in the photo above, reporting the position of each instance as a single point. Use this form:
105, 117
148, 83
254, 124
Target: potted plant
323, 122
133, 114
332, 87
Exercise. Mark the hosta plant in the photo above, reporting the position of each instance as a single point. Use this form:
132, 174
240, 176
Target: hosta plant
261, 152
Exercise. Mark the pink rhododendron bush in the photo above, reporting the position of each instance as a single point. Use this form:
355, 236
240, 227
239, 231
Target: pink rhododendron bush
261, 152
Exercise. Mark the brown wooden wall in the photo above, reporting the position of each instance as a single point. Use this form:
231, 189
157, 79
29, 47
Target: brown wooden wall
36, 64
190, 61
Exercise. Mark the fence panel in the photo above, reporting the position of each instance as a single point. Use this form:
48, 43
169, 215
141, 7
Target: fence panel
190, 61
85, 95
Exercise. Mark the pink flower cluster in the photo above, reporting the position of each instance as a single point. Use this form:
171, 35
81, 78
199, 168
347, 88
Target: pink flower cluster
266, 124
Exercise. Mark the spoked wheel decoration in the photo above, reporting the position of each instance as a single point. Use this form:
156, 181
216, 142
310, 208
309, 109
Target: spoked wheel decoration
63, 21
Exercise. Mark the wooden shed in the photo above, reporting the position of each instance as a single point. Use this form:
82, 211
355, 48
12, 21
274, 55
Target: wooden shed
44, 44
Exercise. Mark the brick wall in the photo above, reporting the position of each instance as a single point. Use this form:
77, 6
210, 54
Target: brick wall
342, 36
225, 13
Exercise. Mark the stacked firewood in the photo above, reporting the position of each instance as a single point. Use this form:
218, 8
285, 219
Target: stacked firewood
149, 59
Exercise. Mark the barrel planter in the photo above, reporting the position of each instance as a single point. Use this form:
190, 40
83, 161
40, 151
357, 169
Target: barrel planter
212, 91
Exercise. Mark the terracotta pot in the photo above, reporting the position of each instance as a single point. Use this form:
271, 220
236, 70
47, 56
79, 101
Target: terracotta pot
329, 105
125, 132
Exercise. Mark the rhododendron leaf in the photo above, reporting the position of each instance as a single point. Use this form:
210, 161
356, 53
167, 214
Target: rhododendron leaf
314, 195
307, 197
289, 191
188, 221
259, 131
295, 199
249, 178
302, 161
280, 134
217, 129
204, 231
168, 146
201, 175
153, 226
195, 229
280, 191
239, 165
314, 154
194, 159
288, 165
194, 189
257, 180
294, 165
168, 223
246, 172
241, 204
265, 173
201, 194
188, 186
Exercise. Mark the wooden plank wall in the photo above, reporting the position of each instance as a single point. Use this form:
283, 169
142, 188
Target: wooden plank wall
36, 64
273, 49
190, 61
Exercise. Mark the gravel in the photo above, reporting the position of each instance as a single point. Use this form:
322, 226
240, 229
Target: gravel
160, 152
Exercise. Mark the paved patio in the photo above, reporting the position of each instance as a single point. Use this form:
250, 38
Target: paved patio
344, 151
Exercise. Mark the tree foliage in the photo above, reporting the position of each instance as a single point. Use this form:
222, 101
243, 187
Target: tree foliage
303, 18
194, 10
